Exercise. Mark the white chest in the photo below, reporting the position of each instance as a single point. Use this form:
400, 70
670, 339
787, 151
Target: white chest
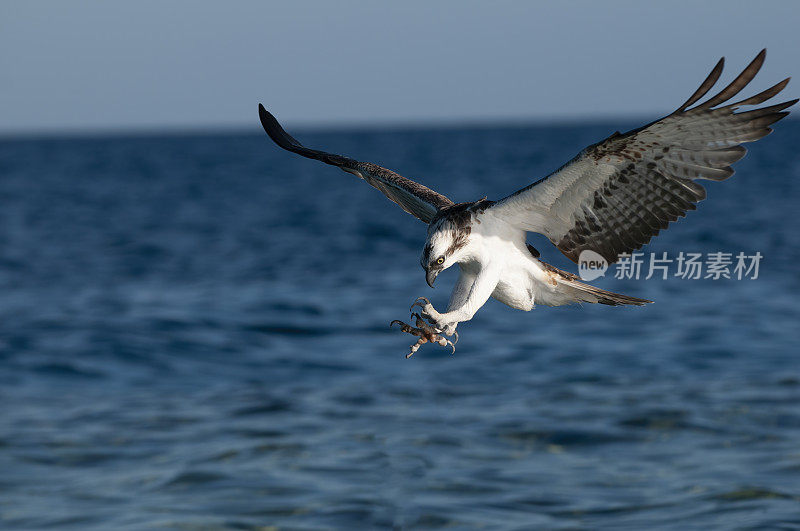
498, 245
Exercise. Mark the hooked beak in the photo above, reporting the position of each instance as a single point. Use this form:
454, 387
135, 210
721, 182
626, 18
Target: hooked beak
430, 276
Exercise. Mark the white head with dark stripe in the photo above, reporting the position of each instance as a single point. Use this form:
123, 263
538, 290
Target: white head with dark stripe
448, 235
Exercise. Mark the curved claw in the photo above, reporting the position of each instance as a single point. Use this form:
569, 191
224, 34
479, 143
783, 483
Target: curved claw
419, 301
455, 335
444, 342
403, 326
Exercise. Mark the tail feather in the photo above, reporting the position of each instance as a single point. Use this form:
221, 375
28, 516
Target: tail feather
592, 294
580, 292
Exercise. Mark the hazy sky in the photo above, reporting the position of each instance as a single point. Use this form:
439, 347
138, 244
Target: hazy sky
106, 64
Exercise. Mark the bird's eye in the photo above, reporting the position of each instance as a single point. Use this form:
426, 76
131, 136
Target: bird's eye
440, 260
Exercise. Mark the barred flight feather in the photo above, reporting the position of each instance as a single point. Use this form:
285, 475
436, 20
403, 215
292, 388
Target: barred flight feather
619, 193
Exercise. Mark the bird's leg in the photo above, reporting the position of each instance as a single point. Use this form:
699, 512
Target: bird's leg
425, 332
470, 294
426, 308
428, 312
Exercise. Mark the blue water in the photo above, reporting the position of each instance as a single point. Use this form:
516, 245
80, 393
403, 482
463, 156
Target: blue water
194, 335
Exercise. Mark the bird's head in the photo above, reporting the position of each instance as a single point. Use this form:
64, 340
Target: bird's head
444, 247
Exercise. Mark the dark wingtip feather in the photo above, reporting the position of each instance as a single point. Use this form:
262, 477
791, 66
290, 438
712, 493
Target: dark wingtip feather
704, 87
777, 116
275, 131
735, 86
763, 96
756, 116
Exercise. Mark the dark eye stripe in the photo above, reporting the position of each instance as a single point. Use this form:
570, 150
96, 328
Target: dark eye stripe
426, 253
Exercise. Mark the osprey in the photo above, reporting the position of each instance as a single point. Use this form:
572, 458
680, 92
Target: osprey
612, 198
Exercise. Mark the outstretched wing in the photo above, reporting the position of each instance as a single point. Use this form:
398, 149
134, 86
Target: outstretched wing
416, 199
616, 195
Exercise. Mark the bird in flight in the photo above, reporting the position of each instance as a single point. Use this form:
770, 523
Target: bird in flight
611, 199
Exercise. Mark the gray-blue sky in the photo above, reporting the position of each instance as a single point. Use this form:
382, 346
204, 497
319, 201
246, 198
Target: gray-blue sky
188, 64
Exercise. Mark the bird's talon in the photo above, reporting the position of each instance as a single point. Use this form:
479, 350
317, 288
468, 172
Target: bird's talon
403, 326
425, 332
415, 347
421, 302
444, 342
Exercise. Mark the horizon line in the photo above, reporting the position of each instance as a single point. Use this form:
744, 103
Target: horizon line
326, 126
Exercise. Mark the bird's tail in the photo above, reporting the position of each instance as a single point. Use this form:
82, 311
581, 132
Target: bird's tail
577, 291
587, 293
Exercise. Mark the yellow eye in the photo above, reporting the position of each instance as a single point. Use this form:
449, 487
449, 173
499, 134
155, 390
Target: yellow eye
440, 261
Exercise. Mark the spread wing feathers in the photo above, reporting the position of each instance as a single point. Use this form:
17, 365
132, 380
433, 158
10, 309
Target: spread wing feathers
414, 198
616, 195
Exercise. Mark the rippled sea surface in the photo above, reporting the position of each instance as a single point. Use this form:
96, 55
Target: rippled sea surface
194, 335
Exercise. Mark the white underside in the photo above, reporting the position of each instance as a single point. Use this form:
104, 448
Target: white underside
496, 263
522, 281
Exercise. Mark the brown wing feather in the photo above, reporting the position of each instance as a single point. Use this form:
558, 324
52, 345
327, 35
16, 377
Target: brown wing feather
619, 193
416, 199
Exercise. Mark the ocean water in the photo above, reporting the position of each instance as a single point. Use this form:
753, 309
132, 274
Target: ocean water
194, 335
